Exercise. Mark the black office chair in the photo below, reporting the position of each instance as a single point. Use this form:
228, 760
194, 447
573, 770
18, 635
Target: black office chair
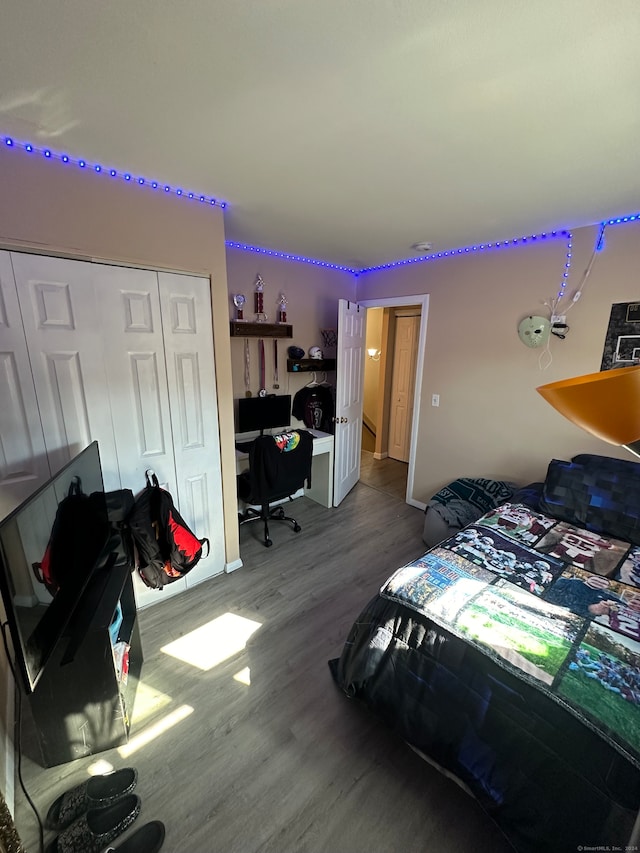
278, 466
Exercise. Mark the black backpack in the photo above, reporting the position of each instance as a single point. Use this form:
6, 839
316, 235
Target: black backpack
167, 549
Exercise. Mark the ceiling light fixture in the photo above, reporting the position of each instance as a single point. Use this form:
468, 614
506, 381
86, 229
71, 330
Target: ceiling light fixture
423, 246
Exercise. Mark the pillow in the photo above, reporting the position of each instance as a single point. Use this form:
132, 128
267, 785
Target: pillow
528, 495
463, 501
591, 460
596, 495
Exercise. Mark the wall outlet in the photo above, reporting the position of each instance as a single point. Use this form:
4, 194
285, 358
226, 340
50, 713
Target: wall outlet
435, 399
558, 318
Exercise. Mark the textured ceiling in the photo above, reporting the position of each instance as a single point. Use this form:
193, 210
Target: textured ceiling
345, 130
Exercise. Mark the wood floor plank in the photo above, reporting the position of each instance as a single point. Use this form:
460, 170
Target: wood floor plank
286, 764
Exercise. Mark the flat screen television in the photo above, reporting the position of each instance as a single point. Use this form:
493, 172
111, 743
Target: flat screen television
38, 613
256, 414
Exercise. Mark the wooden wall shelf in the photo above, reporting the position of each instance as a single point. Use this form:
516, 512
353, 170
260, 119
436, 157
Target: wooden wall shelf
240, 329
308, 365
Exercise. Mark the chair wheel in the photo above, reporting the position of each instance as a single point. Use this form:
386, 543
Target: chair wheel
268, 543
297, 528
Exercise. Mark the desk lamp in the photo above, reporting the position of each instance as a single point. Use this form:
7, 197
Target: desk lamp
606, 404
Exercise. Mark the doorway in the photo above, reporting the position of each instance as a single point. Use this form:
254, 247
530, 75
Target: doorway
378, 468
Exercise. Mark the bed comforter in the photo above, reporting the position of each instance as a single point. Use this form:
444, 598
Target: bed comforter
509, 655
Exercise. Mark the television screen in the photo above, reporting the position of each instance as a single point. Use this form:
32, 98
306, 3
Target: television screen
49, 546
256, 414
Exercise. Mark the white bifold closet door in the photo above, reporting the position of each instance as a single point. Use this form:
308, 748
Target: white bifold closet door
125, 356
23, 459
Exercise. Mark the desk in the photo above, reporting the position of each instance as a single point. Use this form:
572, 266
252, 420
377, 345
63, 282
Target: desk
321, 490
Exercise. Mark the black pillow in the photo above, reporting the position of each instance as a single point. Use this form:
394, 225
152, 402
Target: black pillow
602, 495
608, 463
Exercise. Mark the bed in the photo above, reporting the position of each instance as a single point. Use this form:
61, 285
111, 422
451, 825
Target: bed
508, 655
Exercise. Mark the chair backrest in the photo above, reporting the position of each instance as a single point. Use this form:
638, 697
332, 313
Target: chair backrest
279, 465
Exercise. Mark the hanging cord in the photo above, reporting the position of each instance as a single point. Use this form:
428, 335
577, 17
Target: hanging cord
554, 304
587, 272
545, 358
18, 731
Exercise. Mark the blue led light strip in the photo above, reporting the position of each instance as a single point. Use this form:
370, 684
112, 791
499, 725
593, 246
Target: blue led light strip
231, 244
47, 153
633, 218
469, 250
118, 174
451, 253
567, 267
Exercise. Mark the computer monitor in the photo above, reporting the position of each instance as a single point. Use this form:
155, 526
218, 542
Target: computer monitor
256, 414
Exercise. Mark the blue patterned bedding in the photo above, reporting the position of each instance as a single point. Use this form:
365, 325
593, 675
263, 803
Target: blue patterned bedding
557, 605
510, 655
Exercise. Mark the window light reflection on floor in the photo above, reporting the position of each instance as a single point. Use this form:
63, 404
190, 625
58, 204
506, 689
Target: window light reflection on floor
154, 731
215, 642
244, 676
149, 702
99, 767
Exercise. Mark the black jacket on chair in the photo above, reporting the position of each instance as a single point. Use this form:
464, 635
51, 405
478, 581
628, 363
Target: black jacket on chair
278, 466
275, 473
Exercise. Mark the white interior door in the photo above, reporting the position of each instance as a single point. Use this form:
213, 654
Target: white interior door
64, 340
129, 305
124, 357
403, 386
131, 323
349, 397
23, 459
188, 341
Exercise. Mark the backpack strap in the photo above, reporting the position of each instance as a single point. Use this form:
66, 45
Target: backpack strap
152, 480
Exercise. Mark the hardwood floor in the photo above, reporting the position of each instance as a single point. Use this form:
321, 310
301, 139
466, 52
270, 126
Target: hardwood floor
284, 763
387, 475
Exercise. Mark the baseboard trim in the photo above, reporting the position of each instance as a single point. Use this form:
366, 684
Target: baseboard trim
231, 567
380, 455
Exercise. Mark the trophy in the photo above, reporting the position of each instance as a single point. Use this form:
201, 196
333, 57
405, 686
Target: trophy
282, 309
238, 300
259, 300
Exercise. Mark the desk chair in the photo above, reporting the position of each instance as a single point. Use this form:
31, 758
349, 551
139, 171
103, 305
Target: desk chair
279, 465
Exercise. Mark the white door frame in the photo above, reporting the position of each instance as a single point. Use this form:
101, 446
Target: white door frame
421, 299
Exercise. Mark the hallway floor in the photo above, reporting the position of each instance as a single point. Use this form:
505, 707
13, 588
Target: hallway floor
385, 475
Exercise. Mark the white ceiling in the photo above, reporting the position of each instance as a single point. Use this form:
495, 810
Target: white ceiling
344, 130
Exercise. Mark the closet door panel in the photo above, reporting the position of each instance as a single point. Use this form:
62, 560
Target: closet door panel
63, 333
188, 338
129, 306
23, 458
135, 365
